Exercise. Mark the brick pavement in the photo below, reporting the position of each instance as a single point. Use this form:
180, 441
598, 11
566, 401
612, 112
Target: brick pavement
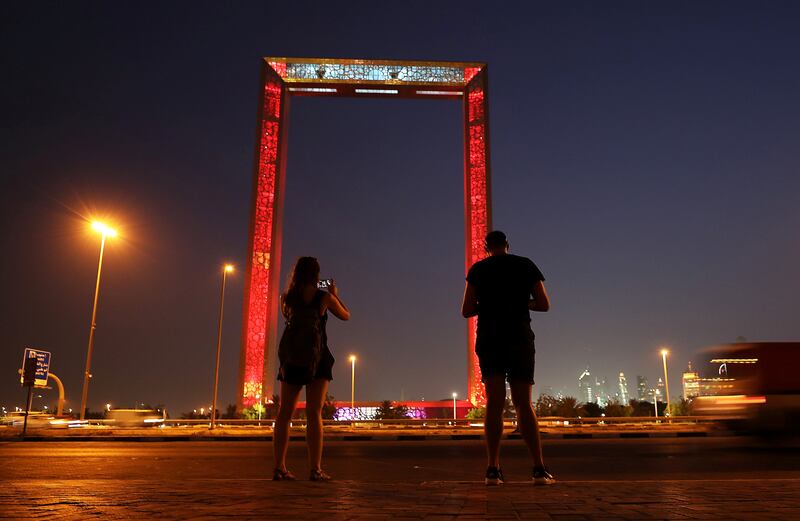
259, 498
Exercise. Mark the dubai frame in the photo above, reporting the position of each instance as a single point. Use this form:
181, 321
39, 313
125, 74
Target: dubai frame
281, 80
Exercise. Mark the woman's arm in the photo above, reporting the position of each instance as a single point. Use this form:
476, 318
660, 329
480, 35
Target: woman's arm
334, 304
469, 306
540, 301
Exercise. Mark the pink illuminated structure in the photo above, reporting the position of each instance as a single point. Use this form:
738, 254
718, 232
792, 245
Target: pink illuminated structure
285, 78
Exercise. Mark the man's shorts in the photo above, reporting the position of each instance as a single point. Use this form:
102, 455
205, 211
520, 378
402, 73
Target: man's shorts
507, 351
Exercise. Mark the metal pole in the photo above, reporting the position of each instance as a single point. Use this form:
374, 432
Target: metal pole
86, 373
666, 382
60, 386
454, 407
655, 402
219, 346
353, 385
27, 411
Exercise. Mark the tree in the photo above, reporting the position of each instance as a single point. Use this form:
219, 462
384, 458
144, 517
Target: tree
328, 407
641, 407
272, 407
592, 410
509, 411
545, 405
476, 413
682, 408
252, 413
614, 409
567, 407
230, 412
388, 411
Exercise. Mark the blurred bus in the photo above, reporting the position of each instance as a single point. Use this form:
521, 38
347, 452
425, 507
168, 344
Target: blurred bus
755, 385
134, 417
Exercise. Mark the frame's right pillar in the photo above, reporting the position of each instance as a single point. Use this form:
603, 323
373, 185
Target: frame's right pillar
477, 201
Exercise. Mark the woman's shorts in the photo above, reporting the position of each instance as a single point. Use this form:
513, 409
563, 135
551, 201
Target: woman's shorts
510, 352
300, 375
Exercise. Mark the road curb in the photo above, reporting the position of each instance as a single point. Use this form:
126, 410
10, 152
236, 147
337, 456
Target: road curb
368, 437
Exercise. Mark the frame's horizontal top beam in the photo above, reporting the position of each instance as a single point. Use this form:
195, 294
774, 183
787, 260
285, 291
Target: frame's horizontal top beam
375, 73
367, 90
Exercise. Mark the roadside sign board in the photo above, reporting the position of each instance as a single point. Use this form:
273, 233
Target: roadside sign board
42, 365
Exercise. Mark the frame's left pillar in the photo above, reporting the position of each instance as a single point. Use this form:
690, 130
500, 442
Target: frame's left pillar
262, 286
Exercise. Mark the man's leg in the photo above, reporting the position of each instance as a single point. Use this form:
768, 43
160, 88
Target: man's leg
495, 385
528, 426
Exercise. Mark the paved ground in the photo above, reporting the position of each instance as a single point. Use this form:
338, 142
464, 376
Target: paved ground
713, 478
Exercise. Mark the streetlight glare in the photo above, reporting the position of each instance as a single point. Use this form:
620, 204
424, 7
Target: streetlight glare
455, 395
104, 229
664, 352
229, 268
352, 358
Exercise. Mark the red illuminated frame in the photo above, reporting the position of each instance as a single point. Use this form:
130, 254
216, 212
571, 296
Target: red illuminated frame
285, 78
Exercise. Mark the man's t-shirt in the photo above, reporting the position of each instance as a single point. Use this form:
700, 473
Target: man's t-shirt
503, 284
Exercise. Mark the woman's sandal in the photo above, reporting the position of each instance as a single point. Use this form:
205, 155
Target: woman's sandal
319, 475
282, 475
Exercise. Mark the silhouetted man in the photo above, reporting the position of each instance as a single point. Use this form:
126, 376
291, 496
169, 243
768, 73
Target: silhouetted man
499, 290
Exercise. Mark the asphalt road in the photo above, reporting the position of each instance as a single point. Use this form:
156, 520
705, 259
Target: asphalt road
600, 479
415, 461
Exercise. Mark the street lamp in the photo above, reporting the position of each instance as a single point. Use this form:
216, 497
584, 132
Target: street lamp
664, 353
228, 268
352, 383
106, 231
454, 405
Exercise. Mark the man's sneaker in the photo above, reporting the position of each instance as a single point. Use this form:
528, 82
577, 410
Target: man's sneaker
494, 476
542, 477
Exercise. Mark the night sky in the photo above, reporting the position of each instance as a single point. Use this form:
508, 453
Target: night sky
644, 155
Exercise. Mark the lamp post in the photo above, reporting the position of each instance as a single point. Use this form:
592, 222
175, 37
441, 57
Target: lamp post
664, 353
106, 231
352, 383
454, 405
228, 268
655, 401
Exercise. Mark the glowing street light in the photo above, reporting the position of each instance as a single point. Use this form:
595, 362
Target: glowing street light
352, 383
664, 353
106, 231
228, 268
455, 395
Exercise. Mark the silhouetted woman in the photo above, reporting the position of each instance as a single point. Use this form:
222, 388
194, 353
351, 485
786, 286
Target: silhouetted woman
305, 360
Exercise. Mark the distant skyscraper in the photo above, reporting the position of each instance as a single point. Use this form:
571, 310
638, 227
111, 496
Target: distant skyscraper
691, 383
623, 390
660, 388
642, 388
600, 393
585, 393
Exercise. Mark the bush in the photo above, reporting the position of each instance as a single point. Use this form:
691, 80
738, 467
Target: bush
388, 411
476, 413
617, 410
545, 405
328, 407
